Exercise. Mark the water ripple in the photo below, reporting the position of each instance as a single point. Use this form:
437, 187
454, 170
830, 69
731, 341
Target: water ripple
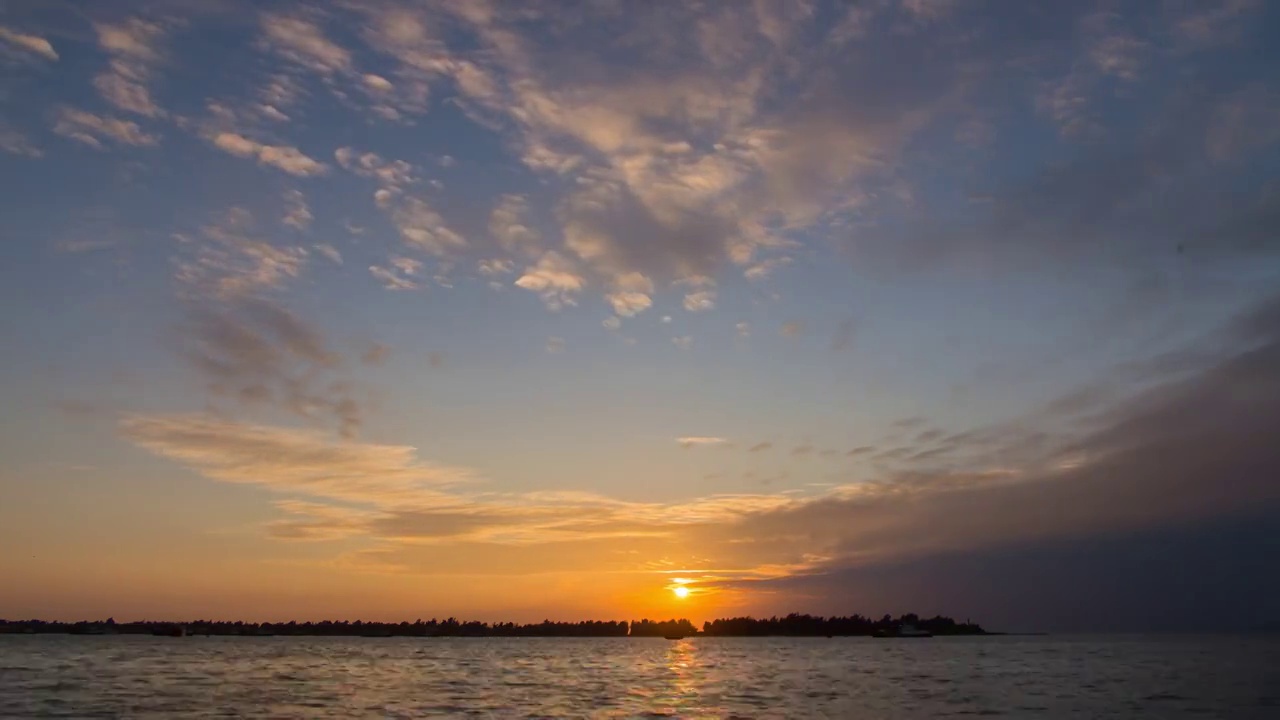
280, 677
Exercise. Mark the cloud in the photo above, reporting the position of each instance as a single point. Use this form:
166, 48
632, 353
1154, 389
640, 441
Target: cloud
1111, 53
282, 157
765, 268
928, 9
730, 142
735, 146
760, 446
92, 129
392, 278
631, 294
329, 252
492, 268
294, 461
700, 301
301, 41
929, 436
691, 441
743, 329
229, 258
791, 329
271, 112
16, 143
1205, 25
1245, 121
280, 90
612, 323
674, 174
27, 44
300, 38
252, 352
508, 224
910, 423
802, 450
393, 175
131, 45
297, 213
555, 345
1156, 460
422, 227
554, 278
684, 342
376, 354
377, 82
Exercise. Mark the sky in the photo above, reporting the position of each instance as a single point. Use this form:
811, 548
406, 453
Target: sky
513, 311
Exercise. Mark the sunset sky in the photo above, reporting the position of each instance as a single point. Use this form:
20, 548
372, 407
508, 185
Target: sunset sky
391, 310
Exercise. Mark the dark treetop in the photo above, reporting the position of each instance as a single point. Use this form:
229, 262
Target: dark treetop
791, 625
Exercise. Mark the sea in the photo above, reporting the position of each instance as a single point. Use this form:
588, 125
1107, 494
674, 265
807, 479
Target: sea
698, 677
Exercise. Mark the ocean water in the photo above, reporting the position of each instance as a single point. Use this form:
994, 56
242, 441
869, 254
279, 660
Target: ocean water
280, 677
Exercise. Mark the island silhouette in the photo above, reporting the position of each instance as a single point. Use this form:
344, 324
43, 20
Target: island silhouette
792, 625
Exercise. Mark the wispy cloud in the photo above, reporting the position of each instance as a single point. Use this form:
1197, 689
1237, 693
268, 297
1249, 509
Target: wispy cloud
16, 143
508, 223
765, 268
554, 278
282, 157
700, 301
691, 441
297, 213
424, 228
397, 277
495, 267
330, 252
303, 462
301, 41
229, 257
92, 129
132, 47
392, 175
254, 353
27, 44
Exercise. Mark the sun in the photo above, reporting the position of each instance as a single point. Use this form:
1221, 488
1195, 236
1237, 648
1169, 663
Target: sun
681, 591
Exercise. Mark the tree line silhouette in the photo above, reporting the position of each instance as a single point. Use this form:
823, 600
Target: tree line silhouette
797, 625
793, 625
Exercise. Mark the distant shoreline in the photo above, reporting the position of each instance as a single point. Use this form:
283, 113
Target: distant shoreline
793, 625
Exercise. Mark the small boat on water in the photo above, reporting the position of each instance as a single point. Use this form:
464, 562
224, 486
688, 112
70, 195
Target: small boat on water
905, 630
674, 637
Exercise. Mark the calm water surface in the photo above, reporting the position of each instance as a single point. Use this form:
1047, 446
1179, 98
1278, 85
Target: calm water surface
278, 677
